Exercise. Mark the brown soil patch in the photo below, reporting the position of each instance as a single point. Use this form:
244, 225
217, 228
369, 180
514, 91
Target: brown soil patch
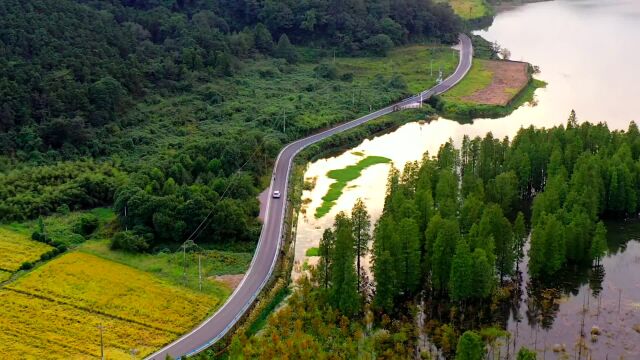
232, 281
509, 78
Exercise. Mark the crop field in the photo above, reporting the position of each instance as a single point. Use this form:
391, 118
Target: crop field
4, 275
170, 266
17, 248
34, 328
469, 9
75, 293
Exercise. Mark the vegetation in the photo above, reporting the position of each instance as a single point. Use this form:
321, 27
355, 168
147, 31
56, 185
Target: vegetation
314, 251
469, 9
76, 334
84, 280
478, 78
116, 102
171, 266
480, 95
17, 249
76, 292
451, 235
342, 177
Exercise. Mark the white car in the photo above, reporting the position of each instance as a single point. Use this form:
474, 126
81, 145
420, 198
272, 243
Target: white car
276, 194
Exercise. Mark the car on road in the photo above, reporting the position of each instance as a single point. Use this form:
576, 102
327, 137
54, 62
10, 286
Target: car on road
276, 194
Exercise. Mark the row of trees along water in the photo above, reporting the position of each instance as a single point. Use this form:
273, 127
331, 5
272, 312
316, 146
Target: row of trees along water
454, 226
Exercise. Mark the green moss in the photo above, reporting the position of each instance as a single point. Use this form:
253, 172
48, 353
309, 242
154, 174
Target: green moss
343, 177
314, 251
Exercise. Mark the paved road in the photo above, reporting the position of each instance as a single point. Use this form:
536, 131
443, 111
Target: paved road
215, 327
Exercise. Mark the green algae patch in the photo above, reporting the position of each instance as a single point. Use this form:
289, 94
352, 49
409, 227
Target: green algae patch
342, 178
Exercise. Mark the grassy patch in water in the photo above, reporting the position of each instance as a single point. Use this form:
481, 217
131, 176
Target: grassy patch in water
343, 177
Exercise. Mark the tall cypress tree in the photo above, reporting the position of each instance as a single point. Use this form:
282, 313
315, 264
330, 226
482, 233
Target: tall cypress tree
409, 256
326, 248
599, 243
344, 294
385, 274
519, 238
460, 284
361, 227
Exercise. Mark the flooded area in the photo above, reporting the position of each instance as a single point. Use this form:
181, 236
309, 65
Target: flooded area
586, 50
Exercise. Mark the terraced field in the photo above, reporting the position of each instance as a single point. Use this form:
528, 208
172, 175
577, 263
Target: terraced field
55, 311
17, 248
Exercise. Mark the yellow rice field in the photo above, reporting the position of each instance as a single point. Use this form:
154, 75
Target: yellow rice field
4, 275
65, 300
33, 328
17, 248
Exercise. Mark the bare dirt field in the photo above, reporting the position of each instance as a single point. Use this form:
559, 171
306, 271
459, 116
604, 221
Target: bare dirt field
509, 78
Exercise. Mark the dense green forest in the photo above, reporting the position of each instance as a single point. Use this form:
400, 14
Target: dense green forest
453, 234
169, 109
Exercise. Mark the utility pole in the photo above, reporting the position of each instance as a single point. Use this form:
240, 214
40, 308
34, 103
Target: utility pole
431, 67
101, 341
200, 270
284, 117
125, 218
184, 262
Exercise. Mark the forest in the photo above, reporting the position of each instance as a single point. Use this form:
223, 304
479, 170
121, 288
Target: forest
151, 105
455, 229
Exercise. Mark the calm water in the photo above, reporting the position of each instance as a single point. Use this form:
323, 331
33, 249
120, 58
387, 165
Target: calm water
586, 50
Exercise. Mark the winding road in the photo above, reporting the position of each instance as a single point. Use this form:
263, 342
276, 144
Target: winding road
264, 259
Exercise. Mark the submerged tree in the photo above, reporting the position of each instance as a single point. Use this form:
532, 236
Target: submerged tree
461, 278
599, 243
470, 347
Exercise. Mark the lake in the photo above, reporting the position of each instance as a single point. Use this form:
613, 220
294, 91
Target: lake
586, 50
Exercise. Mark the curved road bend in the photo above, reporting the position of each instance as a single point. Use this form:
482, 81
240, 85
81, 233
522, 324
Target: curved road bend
216, 326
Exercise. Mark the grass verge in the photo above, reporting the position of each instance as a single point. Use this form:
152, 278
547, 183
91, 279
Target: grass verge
261, 319
343, 177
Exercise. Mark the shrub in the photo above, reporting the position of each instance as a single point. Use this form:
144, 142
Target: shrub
129, 241
87, 224
326, 71
26, 265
